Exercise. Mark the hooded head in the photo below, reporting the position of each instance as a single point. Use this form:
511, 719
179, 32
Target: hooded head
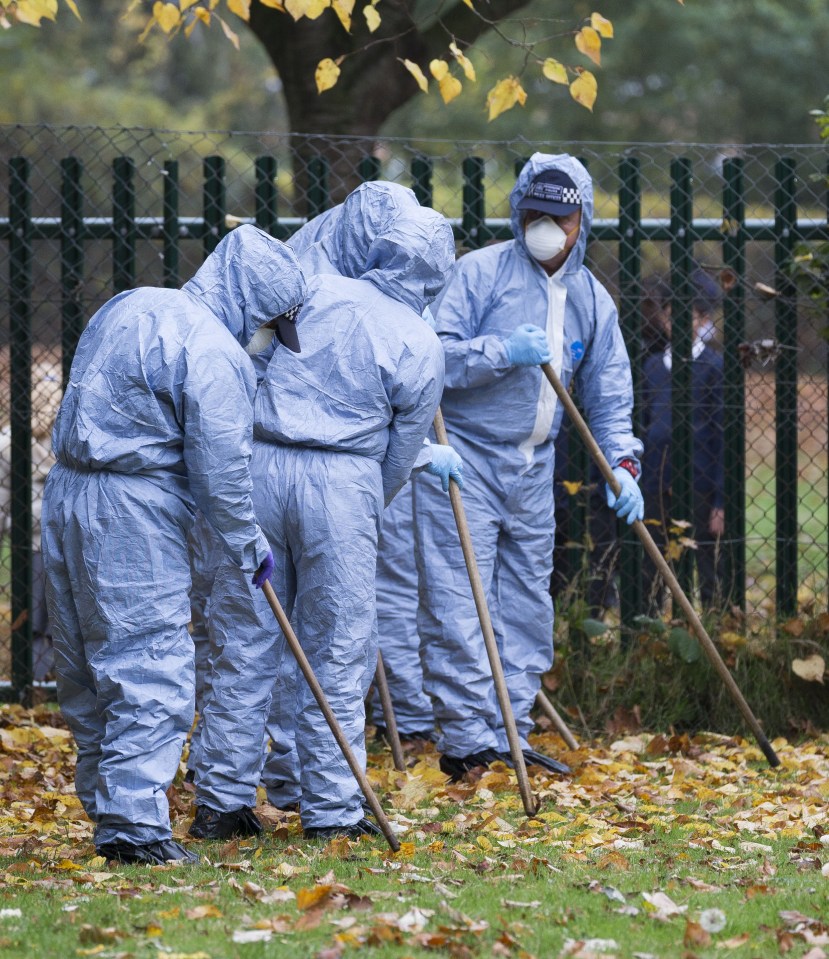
367, 212
555, 185
247, 281
411, 258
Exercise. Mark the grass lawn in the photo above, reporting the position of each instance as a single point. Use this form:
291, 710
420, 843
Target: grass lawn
657, 846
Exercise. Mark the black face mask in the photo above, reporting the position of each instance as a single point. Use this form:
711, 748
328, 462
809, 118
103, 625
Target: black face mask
285, 328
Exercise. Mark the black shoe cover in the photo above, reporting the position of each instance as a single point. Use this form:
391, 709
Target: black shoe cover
365, 827
456, 766
532, 758
211, 824
151, 853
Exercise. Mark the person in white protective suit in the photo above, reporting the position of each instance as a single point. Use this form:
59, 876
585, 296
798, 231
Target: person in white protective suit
156, 422
337, 431
352, 226
506, 309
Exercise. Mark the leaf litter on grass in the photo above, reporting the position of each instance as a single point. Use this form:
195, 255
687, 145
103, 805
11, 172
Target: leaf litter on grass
661, 827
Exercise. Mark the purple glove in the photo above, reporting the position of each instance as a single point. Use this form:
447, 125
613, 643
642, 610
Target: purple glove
264, 572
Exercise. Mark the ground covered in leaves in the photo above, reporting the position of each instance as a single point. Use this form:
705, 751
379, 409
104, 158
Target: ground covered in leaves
657, 846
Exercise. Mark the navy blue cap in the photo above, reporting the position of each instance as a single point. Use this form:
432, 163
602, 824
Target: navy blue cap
285, 328
552, 192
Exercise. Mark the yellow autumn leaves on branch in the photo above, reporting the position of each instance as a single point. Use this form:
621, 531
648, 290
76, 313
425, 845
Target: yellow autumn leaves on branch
172, 16
508, 92
31, 12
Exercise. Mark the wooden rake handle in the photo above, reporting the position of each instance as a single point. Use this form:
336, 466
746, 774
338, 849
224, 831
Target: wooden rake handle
489, 634
330, 718
392, 735
662, 566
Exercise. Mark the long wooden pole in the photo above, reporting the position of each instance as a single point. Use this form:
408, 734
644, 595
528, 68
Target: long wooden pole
551, 713
330, 718
489, 634
392, 735
662, 566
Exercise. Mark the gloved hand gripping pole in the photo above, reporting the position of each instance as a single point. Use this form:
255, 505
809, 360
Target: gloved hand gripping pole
489, 634
662, 566
330, 718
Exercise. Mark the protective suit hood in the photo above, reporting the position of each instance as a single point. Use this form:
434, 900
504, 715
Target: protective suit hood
537, 163
411, 259
366, 213
248, 280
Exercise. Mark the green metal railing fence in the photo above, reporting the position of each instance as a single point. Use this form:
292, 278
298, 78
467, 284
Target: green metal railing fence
93, 212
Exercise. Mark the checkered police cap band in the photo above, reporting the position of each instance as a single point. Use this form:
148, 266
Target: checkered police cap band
554, 193
291, 314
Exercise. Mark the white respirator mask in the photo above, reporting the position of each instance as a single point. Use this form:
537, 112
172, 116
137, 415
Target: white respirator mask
544, 238
260, 340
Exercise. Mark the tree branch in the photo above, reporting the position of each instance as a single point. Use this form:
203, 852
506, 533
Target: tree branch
466, 24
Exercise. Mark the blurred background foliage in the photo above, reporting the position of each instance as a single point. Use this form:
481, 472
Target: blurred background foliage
743, 71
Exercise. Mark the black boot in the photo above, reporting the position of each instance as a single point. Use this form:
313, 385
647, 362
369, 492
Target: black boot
532, 758
365, 827
456, 766
212, 824
151, 853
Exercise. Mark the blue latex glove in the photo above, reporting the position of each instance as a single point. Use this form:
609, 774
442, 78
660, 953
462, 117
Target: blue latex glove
630, 504
528, 346
264, 572
446, 463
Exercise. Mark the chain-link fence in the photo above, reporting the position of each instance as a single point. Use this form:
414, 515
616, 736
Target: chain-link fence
94, 211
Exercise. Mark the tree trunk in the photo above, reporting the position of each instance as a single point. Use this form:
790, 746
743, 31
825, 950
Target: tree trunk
342, 123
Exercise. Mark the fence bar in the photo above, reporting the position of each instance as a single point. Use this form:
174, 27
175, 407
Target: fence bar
265, 198
123, 224
215, 203
369, 169
71, 261
474, 211
318, 195
681, 449
170, 226
631, 598
20, 355
422, 168
785, 311
734, 403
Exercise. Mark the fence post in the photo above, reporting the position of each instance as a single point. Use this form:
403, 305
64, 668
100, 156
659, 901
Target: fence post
215, 204
71, 261
681, 449
169, 226
474, 209
265, 199
785, 310
20, 356
318, 196
422, 179
369, 169
631, 599
734, 384
123, 223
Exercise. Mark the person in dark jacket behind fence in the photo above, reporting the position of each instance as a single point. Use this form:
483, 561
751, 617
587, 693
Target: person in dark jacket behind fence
706, 414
